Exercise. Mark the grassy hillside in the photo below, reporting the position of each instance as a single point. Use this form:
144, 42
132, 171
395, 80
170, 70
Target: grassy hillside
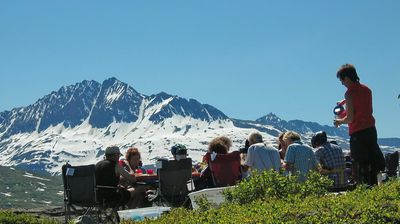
22, 190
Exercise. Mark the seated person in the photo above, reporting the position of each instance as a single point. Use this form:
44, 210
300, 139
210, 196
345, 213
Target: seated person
299, 158
219, 145
261, 157
243, 155
132, 163
330, 159
243, 151
282, 147
108, 174
132, 160
179, 152
216, 146
226, 141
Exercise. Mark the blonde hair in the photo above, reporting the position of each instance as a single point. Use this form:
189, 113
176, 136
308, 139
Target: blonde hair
291, 135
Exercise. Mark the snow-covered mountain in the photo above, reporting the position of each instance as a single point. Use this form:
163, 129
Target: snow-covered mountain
99, 105
302, 126
76, 123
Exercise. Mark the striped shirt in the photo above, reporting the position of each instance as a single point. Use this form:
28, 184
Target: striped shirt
301, 157
262, 157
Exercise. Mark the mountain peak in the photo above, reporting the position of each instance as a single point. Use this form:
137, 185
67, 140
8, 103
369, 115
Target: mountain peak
270, 118
111, 81
163, 95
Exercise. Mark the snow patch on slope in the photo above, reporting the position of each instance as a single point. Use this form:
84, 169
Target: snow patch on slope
84, 144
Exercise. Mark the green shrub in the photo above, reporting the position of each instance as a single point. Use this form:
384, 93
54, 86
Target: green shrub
203, 203
272, 185
380, 204
8, 217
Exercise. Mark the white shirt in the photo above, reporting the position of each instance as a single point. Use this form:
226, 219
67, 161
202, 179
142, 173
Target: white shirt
262, 157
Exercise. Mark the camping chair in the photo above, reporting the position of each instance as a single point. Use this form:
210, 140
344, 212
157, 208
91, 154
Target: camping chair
80, 198
225, 168
392, 163
173, 179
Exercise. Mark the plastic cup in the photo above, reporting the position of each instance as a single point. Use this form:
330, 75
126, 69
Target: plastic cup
149, 171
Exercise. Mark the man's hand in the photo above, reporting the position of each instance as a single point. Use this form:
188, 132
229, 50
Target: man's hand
337, 122
287, 166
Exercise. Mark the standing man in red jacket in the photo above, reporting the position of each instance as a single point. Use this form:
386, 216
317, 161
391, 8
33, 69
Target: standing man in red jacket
367, 157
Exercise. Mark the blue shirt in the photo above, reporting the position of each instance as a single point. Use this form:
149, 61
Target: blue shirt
301, 157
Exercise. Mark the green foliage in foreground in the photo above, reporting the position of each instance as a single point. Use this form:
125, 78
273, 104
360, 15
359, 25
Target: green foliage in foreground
275, 202
7, 217
270, 185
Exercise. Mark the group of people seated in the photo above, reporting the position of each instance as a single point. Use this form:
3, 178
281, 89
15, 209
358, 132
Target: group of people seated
116, 178
292, 156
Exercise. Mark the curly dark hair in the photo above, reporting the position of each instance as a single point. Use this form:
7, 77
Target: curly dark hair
218, 146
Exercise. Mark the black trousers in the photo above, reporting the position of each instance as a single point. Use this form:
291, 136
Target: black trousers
367, 157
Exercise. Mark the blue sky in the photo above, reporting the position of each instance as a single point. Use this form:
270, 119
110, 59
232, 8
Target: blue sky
247, 58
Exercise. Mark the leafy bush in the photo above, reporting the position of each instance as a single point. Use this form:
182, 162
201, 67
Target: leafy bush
307, 204
7, 217
272, 185
203, 203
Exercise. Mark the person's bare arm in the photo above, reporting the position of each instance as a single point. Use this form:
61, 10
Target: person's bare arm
120, 171
349, 113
